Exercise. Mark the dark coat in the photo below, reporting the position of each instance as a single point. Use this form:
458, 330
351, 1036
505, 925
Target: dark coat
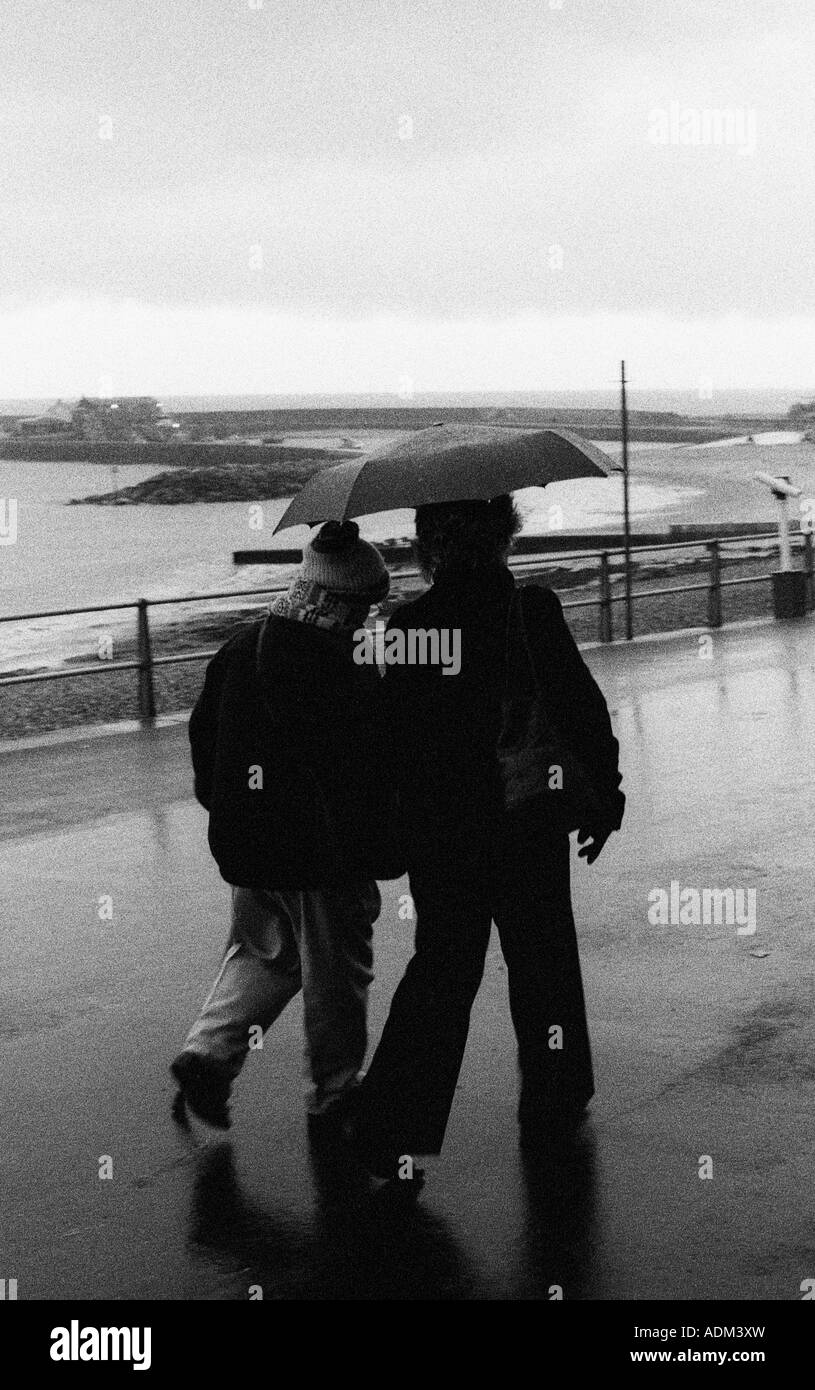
315, 723
448, 725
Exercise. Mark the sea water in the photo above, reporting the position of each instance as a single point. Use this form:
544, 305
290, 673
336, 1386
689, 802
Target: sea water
76, 556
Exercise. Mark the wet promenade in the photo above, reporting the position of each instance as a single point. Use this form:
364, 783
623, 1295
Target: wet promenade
704, 1038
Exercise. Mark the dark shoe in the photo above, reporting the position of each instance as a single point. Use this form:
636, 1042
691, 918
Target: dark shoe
330, 1128
204, 1087
397, 1169
404, 1189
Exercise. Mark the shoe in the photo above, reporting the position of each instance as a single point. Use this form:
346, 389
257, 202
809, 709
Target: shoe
329, 1129
402, 1188
203, 1086
399, 1170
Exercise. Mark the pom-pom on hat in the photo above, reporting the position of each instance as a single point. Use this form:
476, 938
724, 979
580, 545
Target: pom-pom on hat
338, 560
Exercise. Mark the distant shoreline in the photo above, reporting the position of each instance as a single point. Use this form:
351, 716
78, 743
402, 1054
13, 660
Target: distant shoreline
221, 437
244, 469
730, 401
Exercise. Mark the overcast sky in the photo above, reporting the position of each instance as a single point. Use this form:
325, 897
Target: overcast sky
357, 195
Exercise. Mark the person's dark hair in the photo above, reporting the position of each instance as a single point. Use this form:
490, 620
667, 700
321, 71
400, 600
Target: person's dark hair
465, 534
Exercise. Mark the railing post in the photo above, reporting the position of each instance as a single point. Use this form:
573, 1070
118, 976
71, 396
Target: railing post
714, 593
606, 623
809, 569
147, 694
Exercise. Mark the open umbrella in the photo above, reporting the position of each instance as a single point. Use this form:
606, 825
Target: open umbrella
445, 463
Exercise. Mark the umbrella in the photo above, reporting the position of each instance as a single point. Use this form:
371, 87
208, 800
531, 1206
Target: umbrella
445, 463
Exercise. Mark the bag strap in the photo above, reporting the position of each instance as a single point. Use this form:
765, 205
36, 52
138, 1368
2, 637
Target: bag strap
259, 643
515, 620
508, 645
537, 690
543, 701
527, 646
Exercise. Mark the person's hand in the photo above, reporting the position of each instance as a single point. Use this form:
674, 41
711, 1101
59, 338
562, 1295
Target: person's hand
591, 839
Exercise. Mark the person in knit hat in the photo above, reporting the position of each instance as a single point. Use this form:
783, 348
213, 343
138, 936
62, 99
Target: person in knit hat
290, 750
340, 578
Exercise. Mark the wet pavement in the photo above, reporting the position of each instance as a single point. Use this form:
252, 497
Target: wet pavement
703, 1037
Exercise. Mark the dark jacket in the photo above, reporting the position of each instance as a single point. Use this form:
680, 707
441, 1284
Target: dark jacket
448, 725
314, 723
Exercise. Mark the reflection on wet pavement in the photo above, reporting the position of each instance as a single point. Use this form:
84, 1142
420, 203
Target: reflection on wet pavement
703, 1038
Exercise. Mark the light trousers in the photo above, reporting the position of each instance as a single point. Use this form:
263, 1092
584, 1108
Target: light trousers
317, 940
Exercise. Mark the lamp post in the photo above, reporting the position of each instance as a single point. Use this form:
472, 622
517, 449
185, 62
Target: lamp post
629, 627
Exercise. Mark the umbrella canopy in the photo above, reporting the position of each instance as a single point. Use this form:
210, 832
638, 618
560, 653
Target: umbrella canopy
445, 463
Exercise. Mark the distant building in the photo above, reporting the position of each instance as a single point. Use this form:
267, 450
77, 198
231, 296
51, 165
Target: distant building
126, 418
62, 411
168, 428
57, 419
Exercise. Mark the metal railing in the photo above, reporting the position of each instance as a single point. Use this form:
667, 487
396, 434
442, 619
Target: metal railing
146, 662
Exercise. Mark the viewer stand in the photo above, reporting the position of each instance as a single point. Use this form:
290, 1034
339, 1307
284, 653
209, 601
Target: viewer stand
789, 584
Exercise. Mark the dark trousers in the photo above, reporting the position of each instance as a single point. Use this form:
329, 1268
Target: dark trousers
523, 886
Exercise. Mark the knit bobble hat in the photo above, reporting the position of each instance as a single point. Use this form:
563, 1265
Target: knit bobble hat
339, 561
